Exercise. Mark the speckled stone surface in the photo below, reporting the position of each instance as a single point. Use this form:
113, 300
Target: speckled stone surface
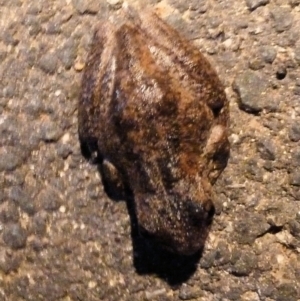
63, 239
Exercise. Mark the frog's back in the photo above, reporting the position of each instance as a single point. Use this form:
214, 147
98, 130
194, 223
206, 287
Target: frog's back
146, 89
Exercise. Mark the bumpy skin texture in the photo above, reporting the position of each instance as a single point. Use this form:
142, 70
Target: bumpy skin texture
154, 109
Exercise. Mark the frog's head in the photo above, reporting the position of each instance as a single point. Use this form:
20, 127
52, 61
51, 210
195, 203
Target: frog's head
179, 220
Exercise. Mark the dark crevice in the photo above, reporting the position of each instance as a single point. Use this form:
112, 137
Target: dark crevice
272, 230
275, 229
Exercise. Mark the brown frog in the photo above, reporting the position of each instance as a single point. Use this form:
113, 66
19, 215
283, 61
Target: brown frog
154, 110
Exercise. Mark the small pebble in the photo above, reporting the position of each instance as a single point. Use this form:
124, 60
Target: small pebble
268, 54
188, 292
50, 199
296, 157
295, 228
68, 53
250, 226
50, 131
9, 213
39, 223
10, 158
9, 90
79, 66
266, 149
254, 4
152, 295
48, 63
295, 178
256, 63
53, 28
115, 3
250, 87
22, 199
34, 8
294, 132
244, 265
87, 6
9, 262
15, 236
294, 3
282, 18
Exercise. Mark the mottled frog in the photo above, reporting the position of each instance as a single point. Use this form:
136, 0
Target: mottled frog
154, 110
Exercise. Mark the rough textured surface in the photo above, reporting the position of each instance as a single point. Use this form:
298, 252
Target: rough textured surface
71, 241
156, 113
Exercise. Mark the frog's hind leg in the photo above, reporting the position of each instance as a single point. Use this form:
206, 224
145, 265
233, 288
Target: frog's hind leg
113, 181
89, 150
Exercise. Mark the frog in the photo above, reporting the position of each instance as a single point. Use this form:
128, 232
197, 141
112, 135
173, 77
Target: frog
154, 112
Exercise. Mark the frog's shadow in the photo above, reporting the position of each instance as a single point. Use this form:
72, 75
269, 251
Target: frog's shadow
148, 256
